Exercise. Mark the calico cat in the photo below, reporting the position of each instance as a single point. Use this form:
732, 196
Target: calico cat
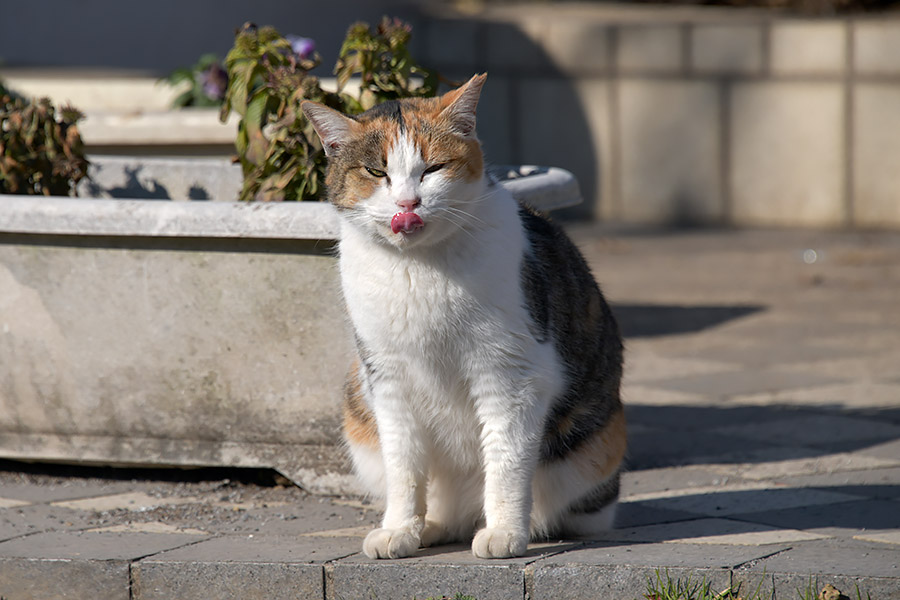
484, 399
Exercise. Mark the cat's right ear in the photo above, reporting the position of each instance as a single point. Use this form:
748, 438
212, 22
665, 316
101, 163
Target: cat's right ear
334, 128
459, 105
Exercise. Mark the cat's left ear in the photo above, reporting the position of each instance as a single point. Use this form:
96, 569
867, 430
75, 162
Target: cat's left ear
459, 105
333, 128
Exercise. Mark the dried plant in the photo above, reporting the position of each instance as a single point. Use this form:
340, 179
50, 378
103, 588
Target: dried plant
269, 75
41, 151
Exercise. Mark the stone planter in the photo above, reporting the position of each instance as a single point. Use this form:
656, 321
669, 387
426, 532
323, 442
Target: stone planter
144, 332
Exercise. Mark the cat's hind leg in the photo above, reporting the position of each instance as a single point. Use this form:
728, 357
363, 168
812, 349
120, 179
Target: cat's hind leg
576, 494
361, 438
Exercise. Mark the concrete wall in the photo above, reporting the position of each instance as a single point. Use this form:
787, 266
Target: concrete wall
690, 115
159, 36
693, 115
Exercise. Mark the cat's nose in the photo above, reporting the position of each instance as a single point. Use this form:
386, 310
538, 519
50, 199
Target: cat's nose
408, 204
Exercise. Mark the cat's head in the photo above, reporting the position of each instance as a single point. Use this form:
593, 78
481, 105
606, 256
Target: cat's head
407, 171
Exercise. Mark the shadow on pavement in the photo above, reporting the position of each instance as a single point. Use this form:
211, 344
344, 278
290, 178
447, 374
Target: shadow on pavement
652, 320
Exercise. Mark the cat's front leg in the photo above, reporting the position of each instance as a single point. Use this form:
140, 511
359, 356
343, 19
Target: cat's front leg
510, 422
404, 516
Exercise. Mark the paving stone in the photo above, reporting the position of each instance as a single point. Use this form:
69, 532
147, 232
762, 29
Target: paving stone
787, 153
301, 519
727, 502
226, 581
648, 367
813, 430
268, 548
709, 417
92, 546
445, 570
241, 567
137, 501
678, 142
670, 480
836, 557
709, 531
11, 503
609, 582
637, 514
148, 527
652, 48
650, 450
882, 366
66, 489
39, 579
795, 584
887, 537
786, 585
355, 532
26, 520
808, 47
810, 465
845, 519
747, 381
733, 49
644, 395
857, 394
870, 483
766, 354
659, 555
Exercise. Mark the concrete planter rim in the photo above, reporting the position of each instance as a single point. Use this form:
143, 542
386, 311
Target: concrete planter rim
543, 188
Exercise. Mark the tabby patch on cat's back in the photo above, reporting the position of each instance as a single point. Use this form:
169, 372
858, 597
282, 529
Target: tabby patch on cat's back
483, 401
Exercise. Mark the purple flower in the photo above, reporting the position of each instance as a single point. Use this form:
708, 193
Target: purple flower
214, 80
302, 47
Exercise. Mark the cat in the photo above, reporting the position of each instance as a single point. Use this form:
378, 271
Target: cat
484, 398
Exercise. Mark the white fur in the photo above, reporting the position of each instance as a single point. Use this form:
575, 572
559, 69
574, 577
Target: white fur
461, 387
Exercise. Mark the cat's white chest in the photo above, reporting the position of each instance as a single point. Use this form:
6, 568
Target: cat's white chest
436, 311
396, 300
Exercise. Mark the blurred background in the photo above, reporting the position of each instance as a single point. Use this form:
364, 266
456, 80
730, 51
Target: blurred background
743, 113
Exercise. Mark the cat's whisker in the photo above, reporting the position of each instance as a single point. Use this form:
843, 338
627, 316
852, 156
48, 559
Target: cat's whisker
467, 215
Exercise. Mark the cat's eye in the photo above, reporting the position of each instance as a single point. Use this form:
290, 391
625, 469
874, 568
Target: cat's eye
375, 172
435, 168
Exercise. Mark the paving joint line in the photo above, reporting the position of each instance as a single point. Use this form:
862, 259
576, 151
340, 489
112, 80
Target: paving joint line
753, 561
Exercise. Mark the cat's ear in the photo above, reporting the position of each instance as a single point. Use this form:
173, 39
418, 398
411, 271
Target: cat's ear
459, 105
334, 128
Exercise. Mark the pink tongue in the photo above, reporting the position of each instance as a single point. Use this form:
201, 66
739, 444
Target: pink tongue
407, 222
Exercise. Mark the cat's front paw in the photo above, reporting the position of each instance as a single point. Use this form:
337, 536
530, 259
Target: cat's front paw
499, 543
390, 543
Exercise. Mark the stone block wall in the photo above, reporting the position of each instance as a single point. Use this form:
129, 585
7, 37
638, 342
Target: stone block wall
702, 116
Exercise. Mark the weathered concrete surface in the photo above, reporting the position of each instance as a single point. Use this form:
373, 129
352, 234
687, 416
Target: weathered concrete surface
170, 351
239, 567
